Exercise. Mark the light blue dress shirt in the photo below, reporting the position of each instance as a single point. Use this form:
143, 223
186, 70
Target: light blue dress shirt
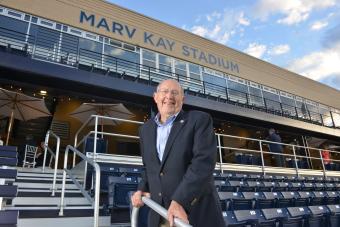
163, 132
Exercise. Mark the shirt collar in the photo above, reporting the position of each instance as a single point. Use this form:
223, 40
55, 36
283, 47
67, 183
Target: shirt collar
168, 122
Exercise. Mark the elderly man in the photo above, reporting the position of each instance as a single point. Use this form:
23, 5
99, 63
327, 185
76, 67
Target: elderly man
179, 150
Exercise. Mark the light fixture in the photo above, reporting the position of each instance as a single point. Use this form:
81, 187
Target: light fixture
43, 92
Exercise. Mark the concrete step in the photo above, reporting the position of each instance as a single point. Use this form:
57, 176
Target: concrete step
104, 221
43, 185
27, 201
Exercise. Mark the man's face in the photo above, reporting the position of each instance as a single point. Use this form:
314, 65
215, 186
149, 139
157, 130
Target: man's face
169, 98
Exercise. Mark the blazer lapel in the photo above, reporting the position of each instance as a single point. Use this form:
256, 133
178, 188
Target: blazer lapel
176, 128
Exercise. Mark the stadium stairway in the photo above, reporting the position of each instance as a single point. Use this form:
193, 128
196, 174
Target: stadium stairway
37, 207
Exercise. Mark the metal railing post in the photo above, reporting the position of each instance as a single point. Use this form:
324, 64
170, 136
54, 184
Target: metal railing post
220, 151
262, 159
95, 203
323, 164
296, 165
56, 160
45, 149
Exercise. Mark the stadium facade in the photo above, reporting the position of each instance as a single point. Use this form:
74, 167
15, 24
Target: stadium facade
95, 50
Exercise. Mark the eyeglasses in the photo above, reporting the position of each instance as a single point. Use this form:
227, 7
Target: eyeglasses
166, 91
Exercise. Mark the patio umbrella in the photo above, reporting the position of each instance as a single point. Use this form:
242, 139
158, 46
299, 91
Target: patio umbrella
85, 110
20, 106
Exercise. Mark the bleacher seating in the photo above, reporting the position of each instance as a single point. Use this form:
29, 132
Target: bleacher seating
8, 159
273, 200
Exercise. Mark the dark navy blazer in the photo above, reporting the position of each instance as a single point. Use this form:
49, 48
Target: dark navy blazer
185, 173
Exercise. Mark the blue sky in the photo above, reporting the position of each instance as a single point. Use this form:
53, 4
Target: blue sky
302, 36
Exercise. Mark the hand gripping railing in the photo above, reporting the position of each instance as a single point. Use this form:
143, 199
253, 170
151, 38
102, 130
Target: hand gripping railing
159, 209
56, 157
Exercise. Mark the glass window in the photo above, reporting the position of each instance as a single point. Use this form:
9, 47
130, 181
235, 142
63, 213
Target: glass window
215, 85
120, 60
90, 52
149, 60
58, 26
47, 44
237, 91
272, 99
69, 48
326, 115
121, 54
27, 17
301, 108
34, 20
14, 14
13, 29
164, 64
288, 104
255, 94
195, 73
181, 69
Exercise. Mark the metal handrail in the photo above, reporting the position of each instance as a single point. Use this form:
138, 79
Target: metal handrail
56, 157
157, 208
262, 152
96, 132
95, 203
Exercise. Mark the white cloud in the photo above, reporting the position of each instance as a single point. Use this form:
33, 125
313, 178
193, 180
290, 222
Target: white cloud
319, 65
293, 11
242, 20
279, 49
317, 25
220, 27
255, 49
199, 30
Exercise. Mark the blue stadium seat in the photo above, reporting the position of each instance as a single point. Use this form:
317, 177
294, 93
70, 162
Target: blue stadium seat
9, 218
251, 217
318, 216
332, 197
267, 186
130, 171
269, 201
8, 173
297, 216
234, 201
119, 188
106, 170
231, 221
334, 215
100, 148
319, 198
288, 199
281, 186
277, 214
296, 186
303, 199
308, 186
255, 185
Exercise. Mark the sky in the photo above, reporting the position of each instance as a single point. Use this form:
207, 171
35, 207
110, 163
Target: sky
302, 36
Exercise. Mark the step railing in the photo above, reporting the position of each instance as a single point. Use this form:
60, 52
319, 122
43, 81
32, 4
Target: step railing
95, 201
157, 208
261, 143
53, 155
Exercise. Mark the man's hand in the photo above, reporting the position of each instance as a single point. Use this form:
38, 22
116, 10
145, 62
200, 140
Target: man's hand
136, 198
176, 211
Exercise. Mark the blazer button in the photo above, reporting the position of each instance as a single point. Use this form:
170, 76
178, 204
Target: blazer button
193, 201
159, 194
161, 174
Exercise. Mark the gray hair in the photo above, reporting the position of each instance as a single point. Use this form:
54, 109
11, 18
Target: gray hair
180, 86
